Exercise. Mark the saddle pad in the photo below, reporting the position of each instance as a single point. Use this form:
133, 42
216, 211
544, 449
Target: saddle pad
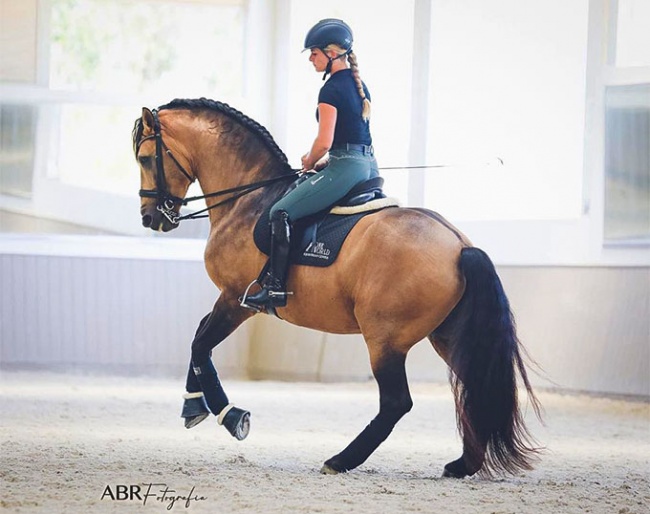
315, 240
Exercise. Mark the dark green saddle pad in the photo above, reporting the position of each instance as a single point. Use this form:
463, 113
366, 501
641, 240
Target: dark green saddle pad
317, 240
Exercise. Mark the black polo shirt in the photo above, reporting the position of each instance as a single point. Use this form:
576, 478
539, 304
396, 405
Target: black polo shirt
340, 91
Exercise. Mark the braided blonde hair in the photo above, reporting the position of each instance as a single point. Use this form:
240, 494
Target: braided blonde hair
354, 66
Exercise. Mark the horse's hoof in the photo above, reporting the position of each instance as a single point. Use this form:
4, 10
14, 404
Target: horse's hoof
192, 421
327, 470
455, 469
195, 409
237, 421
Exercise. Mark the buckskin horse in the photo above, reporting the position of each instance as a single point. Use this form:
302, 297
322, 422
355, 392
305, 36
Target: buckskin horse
402, 275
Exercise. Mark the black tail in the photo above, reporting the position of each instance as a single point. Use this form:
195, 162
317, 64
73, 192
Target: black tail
485, 359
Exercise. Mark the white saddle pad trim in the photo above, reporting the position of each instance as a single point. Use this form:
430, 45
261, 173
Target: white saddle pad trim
373, 205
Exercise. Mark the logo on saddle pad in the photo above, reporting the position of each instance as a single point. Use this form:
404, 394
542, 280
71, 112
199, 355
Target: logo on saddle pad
317, 250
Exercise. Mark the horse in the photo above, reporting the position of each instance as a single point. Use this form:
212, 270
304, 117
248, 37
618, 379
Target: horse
402, 275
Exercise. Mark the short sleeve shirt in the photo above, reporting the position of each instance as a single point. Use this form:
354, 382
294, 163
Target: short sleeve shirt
340, 91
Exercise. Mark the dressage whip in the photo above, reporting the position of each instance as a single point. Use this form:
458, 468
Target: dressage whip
497, 160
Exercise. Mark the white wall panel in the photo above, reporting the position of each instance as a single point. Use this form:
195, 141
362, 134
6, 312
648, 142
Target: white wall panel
116, 315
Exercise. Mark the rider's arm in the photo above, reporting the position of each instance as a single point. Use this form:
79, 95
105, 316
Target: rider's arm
325, 137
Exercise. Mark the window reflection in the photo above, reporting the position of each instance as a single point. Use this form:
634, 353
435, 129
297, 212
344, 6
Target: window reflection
17, 143
627, 163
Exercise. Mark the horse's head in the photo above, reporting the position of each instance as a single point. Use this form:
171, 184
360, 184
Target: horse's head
164, 180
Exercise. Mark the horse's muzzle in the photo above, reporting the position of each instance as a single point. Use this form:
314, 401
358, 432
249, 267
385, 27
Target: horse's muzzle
155, 220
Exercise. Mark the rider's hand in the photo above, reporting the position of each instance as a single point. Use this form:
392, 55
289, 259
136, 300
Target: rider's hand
305, 162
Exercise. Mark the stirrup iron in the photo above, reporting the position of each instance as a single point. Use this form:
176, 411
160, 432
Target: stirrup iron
242, 299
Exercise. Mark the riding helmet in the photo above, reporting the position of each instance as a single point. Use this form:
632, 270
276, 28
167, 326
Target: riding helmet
329, 31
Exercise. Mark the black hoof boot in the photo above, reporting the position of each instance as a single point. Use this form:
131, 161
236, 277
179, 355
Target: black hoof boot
237, 421
455, 469
195, 409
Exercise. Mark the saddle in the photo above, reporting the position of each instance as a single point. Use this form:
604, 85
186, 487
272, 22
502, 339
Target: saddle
317, 239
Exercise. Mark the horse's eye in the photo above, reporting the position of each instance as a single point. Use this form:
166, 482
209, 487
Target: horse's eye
145, 160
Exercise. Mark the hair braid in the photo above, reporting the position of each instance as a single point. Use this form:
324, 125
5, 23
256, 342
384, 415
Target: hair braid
352, 58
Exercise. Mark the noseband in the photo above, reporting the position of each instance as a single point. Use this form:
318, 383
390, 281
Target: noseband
165, 201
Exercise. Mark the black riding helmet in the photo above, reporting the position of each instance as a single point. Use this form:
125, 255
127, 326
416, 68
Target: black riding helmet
327, 32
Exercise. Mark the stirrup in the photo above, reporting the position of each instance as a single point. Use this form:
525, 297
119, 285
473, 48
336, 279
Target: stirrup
244, 297
269, 305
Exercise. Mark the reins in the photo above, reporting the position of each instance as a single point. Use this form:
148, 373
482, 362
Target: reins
241, 190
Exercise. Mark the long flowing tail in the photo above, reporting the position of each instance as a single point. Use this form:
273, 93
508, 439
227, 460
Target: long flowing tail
485, 360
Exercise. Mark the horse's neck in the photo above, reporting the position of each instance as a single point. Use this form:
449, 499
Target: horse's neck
243, 206
226, 158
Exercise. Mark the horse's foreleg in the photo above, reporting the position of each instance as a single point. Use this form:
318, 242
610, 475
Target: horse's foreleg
205, 393
394, 402
195, 409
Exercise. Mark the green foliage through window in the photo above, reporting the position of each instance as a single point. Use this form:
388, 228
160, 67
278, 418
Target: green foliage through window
162, 47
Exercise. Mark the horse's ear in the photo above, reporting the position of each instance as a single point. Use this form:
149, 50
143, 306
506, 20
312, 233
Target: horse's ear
147, 121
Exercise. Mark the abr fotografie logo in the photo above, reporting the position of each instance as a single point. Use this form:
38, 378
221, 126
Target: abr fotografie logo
151, 492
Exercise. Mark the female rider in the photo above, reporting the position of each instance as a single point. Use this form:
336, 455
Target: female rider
343, 130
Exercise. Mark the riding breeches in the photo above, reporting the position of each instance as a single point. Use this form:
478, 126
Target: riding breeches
346, 169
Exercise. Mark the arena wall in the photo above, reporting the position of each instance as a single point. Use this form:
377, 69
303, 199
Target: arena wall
586, 327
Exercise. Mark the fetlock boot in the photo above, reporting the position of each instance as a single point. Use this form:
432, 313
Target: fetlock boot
273, 293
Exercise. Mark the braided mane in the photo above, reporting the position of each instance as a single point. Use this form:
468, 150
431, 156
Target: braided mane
235, 115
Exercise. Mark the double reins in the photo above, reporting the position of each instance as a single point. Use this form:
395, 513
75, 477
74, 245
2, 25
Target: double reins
165, 201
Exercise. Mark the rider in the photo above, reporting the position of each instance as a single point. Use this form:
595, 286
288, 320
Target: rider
343, 130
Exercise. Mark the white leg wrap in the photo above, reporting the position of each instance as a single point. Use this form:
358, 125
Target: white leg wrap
189, 396
223, 413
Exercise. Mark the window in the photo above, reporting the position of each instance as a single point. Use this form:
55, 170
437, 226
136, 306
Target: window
627, 163
507, 81
119, 48
17, 140
626, 212
100, 62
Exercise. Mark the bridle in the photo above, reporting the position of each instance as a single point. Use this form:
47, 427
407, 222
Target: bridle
165, 201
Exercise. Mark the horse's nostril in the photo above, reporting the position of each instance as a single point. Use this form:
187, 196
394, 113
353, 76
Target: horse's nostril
146, 220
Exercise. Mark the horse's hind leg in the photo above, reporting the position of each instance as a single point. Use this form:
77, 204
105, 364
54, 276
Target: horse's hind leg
204, 388
473, 451
394, 401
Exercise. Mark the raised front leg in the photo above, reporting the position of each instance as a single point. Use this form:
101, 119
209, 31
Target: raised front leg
394, 401
205, 393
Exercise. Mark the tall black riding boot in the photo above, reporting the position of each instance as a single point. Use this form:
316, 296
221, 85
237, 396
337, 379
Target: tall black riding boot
273, 293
